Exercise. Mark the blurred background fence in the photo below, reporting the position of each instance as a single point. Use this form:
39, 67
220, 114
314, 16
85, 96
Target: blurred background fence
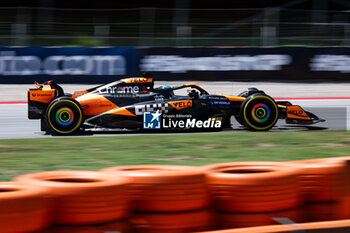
279, 26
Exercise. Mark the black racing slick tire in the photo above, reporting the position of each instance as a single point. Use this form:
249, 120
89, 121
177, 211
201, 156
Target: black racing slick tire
259, 112
250, 91
64, 116
238, 117
243, 94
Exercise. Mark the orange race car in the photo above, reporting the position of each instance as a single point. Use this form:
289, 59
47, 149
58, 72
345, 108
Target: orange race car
134, 103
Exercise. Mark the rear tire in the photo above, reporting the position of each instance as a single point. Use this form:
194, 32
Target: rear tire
64, 116
43, 124
259, 112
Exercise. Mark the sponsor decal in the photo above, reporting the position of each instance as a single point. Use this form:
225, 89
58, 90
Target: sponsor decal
180, 64
79, 93
328, 62
192, 123
177, 116
296, 112
137, 80
105, 105
119, 90
220, 102
152, 120
181, 104
217, 98
161, 107
44, 94
10, 64
157, 120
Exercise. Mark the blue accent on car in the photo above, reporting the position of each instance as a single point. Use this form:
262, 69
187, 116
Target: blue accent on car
152, 120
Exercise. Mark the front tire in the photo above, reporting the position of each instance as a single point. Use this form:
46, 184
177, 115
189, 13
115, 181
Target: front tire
64, 116
259, 112
238, 117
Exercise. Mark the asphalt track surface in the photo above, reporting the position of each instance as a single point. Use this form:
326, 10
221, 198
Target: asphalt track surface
14, 123
334, 108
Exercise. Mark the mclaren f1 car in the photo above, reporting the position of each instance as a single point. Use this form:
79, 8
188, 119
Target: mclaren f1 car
135, 104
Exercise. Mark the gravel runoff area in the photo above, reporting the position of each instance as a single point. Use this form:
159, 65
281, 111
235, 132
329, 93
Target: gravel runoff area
18, 92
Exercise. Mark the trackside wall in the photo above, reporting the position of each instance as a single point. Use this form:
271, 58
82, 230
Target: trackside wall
99, 65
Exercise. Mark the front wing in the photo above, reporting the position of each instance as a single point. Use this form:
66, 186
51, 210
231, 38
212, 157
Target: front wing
294, 114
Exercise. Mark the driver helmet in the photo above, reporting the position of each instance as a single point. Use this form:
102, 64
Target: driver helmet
193, 94
168, 88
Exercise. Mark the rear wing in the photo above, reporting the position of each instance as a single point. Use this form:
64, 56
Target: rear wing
41, 96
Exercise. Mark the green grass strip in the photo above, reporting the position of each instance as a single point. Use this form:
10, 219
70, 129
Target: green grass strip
22, 156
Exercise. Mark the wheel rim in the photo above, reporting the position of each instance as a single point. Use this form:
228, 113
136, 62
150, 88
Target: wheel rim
64, 116
261, 112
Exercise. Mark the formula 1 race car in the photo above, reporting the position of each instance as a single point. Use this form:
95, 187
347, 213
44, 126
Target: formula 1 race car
134, 103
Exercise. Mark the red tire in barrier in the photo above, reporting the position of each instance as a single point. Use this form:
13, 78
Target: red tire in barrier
83, 197
190, 221
23, 208
122, 226
166, 187
324, 227
254, 186
322, 180
322, 211
234, 220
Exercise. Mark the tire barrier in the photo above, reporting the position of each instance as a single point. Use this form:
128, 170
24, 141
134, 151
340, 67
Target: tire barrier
234, 220
166, 188
23, 208
322, 211
175, 198
122, 226
83, 197
313, 227
190, 221
254, 186
322, 180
